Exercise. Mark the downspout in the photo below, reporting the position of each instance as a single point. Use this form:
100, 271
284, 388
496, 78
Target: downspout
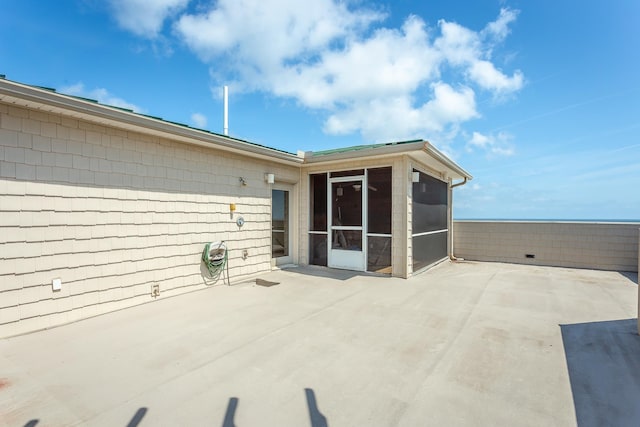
460, 184
301, 188
452, 257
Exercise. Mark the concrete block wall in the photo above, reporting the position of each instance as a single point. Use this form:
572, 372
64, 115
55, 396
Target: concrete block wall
602, 246
111, 212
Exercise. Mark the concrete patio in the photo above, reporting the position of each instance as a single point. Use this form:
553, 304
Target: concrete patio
462, 344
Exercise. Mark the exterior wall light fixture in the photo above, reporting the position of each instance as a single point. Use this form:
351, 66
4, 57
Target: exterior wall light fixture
270, 178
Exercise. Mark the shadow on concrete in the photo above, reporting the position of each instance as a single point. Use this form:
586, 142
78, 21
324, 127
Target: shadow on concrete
332, 273
231, 413
316, 417
603, 359
135, 421
630, 275
137, 417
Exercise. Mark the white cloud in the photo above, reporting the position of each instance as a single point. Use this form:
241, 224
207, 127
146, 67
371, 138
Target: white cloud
269, 32
499, 144
479, 140
464, 48
145, 17
388, 65
388, 119
101, 95
488, 77
499, 29
459, 45
337, 57
199, 120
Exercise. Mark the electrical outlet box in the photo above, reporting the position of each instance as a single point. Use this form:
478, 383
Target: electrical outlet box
155, 290
56, 285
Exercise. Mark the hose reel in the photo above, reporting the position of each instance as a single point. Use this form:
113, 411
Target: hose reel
215, 256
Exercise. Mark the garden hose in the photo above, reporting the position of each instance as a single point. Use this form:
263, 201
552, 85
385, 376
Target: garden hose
215, 257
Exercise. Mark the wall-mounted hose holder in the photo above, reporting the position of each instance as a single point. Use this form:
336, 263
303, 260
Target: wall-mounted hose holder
215, 257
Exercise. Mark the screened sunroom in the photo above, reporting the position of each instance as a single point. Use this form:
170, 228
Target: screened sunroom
383, 208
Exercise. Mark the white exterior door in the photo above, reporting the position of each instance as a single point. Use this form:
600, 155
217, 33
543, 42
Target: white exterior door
281, 238
346, 202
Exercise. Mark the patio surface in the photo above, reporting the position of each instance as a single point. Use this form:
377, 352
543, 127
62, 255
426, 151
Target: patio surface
462, 344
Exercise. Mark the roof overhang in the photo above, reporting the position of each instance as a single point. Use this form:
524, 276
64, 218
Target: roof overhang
49, 101
421, 151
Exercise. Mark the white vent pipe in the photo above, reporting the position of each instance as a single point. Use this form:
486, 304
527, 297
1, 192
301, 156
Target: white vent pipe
225, 96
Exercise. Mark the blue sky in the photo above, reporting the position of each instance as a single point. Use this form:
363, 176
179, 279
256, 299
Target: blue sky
539, 100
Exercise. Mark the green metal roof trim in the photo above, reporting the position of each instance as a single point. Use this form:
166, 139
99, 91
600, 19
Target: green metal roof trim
94, 101
390, 148
362, 147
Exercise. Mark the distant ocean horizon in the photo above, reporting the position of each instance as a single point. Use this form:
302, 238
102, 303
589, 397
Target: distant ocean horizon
546, 220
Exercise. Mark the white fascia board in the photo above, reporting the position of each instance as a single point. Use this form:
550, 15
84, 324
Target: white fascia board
452, 167
422, 151
363, 154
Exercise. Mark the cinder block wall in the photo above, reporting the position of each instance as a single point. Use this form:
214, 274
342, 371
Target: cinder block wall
602, 246
111, 212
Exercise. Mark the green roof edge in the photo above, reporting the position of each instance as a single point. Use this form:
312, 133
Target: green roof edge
362, 147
